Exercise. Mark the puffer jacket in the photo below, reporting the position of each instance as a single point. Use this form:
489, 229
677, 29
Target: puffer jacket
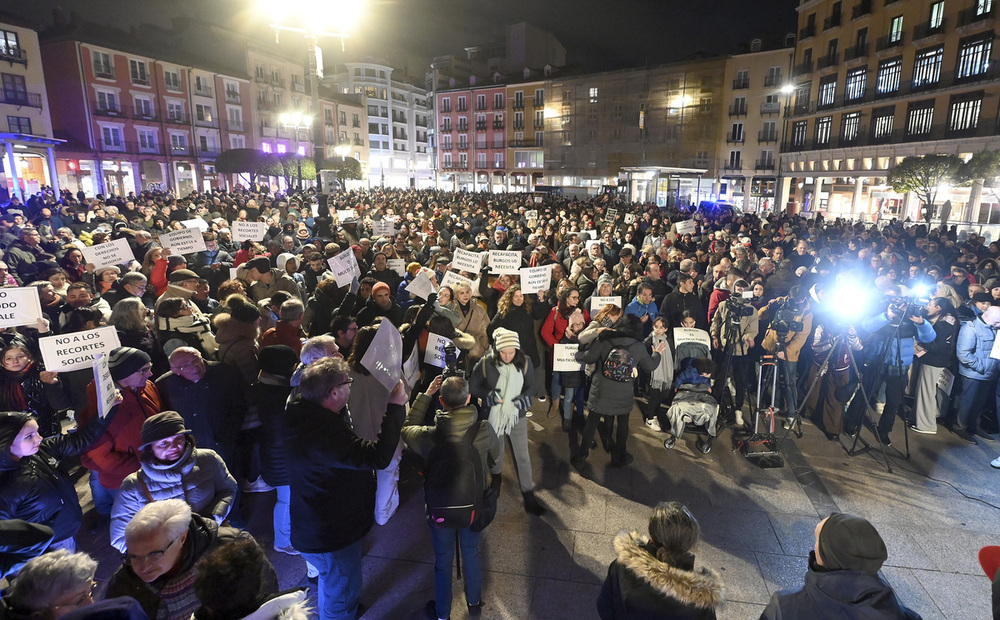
641, 587
975, 342
238, 345
199, 477
454, 424
607, 396
37, 488
883, 337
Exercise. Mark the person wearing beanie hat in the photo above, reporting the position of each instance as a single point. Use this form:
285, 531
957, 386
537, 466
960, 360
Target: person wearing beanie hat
842, 580
504, 378
237, 330
172, 467
381, 304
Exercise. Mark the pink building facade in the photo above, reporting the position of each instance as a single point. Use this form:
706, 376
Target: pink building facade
471, 144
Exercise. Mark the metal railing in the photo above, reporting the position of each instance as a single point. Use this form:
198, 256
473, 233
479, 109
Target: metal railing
831, 22
19, 98
802, 68
830, 60
232, 97
738, 110
204, 91
927, 29
861, 9
735, 138
11, 53
764, 137
889, 41
770, 107
741, 83
855, 52
973, 15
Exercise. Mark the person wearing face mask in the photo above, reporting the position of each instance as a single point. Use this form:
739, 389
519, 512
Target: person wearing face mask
172, 467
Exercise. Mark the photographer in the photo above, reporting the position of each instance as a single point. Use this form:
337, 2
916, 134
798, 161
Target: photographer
791, 324
737, 319
933, 359
893, 334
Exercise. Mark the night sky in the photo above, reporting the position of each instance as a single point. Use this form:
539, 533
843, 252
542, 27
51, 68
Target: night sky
598, 34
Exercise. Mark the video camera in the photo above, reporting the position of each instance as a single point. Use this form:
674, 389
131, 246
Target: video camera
739, 306
784, 322
451, 363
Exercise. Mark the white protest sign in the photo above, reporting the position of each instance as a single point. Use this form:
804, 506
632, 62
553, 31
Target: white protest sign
187, 241
451, 279
383, 228
343, 214
467, 261
591, 233
384, 358
629, 218
435, 350
411, 369
115, 252
249, 231
398, 265
534, 279
946, 381
690, 334
19, 306
197, 223
531, 215
77, 350
995, 352
234, 273
105, 385
564, 358
611, 215
597, 302
344, 267
421, 286
504, 261
538, 200
685, 228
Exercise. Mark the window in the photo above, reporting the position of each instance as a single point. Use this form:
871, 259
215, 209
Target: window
147, 140
896, 29
9, 45
112, 137
974, 56
827, 91
855, 84
172, 79
497, 101
823, 126
102, 65
767, 159
927, 67
539, 118
266, 147
462, 104
919, 118
593, 94
742, 79
237, 142
106, 101
480, 102
463, 160
446, 104
705, 105
204, 113
736, 132
770, 131
143, 107
480, 160
773, 77
281, 148
735, 162
498, 160
446, 160
882, 120
888, 76
983, 7
539, 98
937, 15
850, 127
178, 142
446, 143
235, 119
175, 111
799, 133
539, 138
19, 124
963, 111
137, 71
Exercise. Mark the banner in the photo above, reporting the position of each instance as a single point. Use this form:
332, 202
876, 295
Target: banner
384, 358
115, 252
690, 334
398, 265
421, 286
249, 231
343, 214
197, 223
434, 354
345, 267
685, 228
77, 350
383, 228
467, 261
106, 387
504, 261
187, 241
19, 306
611, 216
534, 279
564, 358
598, 303
452, 278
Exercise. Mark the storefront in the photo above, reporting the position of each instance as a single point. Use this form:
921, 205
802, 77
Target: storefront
28, 164
119, 179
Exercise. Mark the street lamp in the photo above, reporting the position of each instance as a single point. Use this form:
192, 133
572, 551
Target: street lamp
342, 150
296, 121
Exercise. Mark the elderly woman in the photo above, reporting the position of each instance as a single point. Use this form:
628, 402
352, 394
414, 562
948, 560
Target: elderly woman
474, 320
173, 467
51, 586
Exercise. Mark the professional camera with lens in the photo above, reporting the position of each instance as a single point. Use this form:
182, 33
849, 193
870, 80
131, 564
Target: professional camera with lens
739, 306
784, 318
451, 368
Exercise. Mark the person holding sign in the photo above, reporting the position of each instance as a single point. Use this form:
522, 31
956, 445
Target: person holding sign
25, 385
474, 320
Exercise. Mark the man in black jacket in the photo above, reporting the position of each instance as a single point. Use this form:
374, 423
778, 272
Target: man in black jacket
682, 299
333, 489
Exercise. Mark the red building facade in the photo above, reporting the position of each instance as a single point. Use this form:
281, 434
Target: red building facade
471, 145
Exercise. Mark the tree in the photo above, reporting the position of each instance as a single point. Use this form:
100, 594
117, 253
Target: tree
346, 167
270, 166
922, 175
985, 167
295, 166
240, 161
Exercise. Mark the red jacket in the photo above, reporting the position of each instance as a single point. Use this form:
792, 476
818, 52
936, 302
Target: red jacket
115, 454
555, 326
283, 333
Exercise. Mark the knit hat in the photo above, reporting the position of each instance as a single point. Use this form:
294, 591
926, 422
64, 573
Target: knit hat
160, 426
261, 264
978, 297
99, 272
505, 338
278, 359
125, 361
605, 279
379, 286
413, 268
242, 309
847, 542
174, 260
181, 275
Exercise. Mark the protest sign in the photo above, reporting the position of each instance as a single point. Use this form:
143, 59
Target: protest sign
685, 228
504, 261
451, 279
946, 382
343, 214
398, 265
198, 223
77, 350
187, 241
421, 286
105, 385
19, 306
384, 358
591, 233
534, 279
234, 273
383, 228
689, 334
611, 215
564, 358
538, 200
531, 215
115, 252
249, 231
435, 350
597, 303
467, 261
995, 351
629, 218
345, 267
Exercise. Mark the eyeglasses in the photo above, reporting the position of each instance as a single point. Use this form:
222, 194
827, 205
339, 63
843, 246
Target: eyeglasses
153, 556
348, 382
89, 594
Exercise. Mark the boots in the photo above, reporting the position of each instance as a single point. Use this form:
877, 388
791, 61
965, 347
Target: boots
531, 504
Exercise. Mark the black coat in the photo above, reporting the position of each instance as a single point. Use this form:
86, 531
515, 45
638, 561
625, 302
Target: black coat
269, 400
519, 321
675, 303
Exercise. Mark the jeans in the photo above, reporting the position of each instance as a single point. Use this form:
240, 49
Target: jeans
571, 396
555, 385
339, 581
282, 517
969, 403
444, 552
103, 498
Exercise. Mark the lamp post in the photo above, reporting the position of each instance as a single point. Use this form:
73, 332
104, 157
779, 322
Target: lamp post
779, 196
342, 151
296, 121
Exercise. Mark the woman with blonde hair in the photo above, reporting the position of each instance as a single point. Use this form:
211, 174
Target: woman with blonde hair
474, 320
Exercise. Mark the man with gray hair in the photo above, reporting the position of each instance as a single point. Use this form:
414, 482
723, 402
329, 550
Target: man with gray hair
288, 329
51, 586
130, 284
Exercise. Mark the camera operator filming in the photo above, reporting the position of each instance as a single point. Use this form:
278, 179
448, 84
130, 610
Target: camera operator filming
734, 328
788, 331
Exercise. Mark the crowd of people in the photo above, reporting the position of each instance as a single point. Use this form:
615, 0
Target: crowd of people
246, 367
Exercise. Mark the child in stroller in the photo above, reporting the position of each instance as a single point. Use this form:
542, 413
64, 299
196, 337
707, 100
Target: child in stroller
693, 402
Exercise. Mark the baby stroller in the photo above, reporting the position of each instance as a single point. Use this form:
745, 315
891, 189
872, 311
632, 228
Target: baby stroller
693, 408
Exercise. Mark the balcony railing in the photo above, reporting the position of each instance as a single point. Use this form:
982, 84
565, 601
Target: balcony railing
140, 81
738, 109
498, 144
861, 9
149, 149
973, 15
518, 105
265, 104
234, 125
481, 107
807, 31
174, 87
941, 131
733, 167
772, 79
927, 29
741, 83
206, 122
462, 147
180, 149
298, 87
454, 166
764, 166
445, 128
831, 22
277, 81
145, 115
20, 98
830, 60
204, 91
524, 142
100, 110
889, 41
497, 126
518, 125
462, 127
178, 119
232, 97
12, 54
802, 68
770, 107
855, 52
107, 73
208, 151
764, 137
735, 138
463, 108
481, 126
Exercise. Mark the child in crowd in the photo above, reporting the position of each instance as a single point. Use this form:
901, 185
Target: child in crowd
661, 377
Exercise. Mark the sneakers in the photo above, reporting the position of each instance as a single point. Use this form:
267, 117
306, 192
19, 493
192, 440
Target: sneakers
913, 427
984, 435
257, 486
542, 399
654, 425
739, 419
289, 550
964, 435
995, 463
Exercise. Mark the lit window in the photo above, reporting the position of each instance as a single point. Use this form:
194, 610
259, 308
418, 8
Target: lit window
927, 67
974, 57
854, 85
823, 127
264, 146
888, 76
919, 118
281, 148
963, 114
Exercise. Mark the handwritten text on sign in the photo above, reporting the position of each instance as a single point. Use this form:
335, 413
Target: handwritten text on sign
105, 385
187, 241
611, 215
534, 279
344, 267
383, 228
115, 252
467, 261
435, 350
690, 334
398, 265
564, 358
505, 261
77, 350
19, 306
685, 228
597, 303
249, 231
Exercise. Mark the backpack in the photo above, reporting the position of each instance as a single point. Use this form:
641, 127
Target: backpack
619, 365
454, 481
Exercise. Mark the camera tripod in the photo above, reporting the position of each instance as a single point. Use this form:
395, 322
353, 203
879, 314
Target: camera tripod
763, 445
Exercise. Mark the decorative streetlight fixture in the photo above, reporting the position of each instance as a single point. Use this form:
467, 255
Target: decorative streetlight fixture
296, 121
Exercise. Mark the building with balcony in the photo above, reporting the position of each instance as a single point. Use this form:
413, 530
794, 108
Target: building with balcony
879, 81
472, 125
751, 126
278, 86
25, 123
345, 124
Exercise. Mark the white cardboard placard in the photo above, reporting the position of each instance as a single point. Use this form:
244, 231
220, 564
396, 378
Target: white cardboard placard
343, 214
383, 228
564, 358
434, 354
531, 215
345, 267
691, 334
505, 261
464, 260
421, 286
611, 215
105, 385
187, 241
398, 265
452, 278
249, 231
114, 252
534, 279
684, 228
384, 358
198, 223
77, 350
19, 306
597, 303
946, 381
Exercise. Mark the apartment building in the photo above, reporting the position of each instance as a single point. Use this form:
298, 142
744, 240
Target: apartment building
345, 123
526, 134
472, 138
278, 87
876, 81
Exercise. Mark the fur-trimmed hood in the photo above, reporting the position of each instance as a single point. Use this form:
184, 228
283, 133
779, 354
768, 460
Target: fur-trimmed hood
702, 588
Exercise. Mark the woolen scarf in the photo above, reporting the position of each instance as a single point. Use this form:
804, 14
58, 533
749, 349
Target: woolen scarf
503, 416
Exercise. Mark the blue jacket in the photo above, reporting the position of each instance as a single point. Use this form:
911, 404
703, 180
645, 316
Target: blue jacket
975, 342
924, 333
